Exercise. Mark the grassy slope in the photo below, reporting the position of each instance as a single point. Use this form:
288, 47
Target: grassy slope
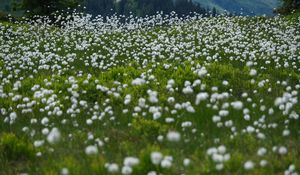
140, 138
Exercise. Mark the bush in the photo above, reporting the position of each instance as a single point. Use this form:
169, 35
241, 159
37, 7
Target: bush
13, 148
149, 129
3, 16
289, 6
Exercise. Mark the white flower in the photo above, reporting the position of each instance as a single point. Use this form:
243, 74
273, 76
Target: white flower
261, 136
201, 97
160, 138
171, 100
91, 149
186, 162
286, 132
263, 163
225, 83
253, 72
217, 158
12, 117
126, 170
216, 119
53, 136
249, 165
152, 96
222, 149
196, 83
202, 72
152, 173
291, 170
190, 109
131, 161
211, 151
171, 82
169, 120
127, 99
261, 151
166, 163
282, 150
45, 131
247, 117
89, 121
64, 171
138, 81
156, 115
113, 168
186, 124
187, 90
142, 102
173, 136
156, 157
219, 166
223, 113
238, 105
59, 113
38, 143
250, 129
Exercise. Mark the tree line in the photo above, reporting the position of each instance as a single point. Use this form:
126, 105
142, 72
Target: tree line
108, 7
289, 6
122, 7
142, 7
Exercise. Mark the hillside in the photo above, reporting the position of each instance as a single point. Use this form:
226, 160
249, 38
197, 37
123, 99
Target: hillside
250, 7
159, 95
256, 7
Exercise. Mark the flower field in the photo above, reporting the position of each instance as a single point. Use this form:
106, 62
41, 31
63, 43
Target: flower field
159, 95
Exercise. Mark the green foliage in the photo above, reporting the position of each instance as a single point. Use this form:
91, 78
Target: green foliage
147, 128
3, 17
1, 64
13, 148
237, 78
97, 166
289, 6
146, 165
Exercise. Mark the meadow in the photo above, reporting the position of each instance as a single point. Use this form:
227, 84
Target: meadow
160, 95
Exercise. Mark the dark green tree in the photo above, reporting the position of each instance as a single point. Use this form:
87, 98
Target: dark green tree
288, 6
214, 11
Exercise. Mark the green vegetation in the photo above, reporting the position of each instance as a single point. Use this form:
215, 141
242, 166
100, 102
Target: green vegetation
156, 95
14, 149
289, 6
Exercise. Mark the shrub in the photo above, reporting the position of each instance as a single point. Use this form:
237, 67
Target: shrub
147, 128
3, 16
13, 148
289, 6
